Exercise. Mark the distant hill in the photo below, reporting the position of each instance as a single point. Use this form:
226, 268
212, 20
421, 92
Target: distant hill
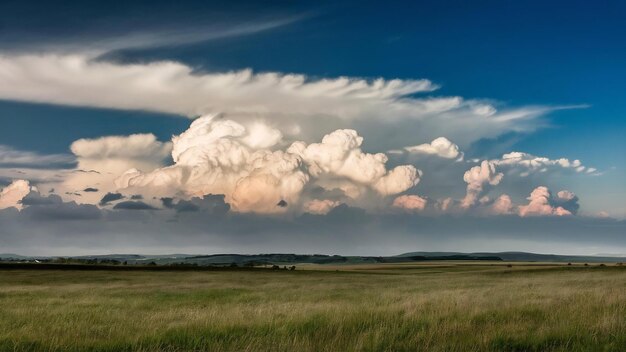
244, 259
290, 259
525, 257
15, 256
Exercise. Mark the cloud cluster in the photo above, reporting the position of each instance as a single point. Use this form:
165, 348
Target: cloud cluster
258, 169
274, 142
541, 202
526, 164
338, 161
220, 156
37, 207
216, 156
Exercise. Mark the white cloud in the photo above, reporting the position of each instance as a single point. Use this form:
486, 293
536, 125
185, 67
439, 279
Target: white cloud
526, 164
135, 146
502, 205
410, 203
218, 156
479, 179
291, 103
11, 195
256, 141
320, 207
174, 88
541, 203
102, 160
340, 155
441, 147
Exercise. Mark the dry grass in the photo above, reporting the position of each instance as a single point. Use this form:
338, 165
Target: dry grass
434, 307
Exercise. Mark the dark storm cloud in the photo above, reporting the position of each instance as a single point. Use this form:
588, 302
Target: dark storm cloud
34, 198
569, 203
168, 202
52, 208
209, 204
133, 205
63, 212
110, 197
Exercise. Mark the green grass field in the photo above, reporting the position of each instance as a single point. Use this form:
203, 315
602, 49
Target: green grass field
400, 307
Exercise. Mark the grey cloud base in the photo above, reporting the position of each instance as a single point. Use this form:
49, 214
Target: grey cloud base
71, 229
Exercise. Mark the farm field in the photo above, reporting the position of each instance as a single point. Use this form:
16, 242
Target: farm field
435, 306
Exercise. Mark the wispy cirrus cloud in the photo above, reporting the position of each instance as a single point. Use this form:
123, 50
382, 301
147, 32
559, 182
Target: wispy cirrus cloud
165, 37
13, 158
104, 28
294, 103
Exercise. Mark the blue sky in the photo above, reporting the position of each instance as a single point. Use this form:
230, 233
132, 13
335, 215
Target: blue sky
566, 58
559, 53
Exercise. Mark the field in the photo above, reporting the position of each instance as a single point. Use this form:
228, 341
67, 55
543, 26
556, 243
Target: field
445, 306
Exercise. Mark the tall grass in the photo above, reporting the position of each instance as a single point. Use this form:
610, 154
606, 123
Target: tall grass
439, 308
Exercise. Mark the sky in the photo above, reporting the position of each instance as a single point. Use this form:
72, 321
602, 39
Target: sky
312, 127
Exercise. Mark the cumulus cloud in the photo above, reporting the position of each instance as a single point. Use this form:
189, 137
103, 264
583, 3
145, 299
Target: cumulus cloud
542, 203
101, 160
441, 147
526, 164
35, 198
136, 146
567, 200
216, 156
219, 156
51, 207
410, 203
320, 206
479, 179
340, 155
520, 170
503, 205
12, 195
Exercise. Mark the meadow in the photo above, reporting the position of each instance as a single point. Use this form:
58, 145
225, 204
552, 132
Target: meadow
439, 306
